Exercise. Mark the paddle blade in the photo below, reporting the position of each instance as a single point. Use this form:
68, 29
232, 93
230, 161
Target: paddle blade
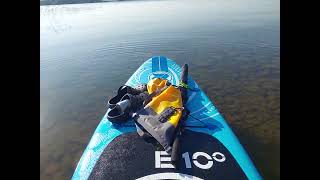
175, 154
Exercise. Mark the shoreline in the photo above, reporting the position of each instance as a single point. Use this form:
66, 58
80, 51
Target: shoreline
66, 2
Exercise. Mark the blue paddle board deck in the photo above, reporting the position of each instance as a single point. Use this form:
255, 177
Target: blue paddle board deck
210, 148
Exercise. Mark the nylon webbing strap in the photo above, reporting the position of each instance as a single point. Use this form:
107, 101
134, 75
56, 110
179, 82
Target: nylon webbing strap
153, 94
186, 86
182, 84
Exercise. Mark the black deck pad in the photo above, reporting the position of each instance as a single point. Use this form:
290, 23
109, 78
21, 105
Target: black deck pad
129, 156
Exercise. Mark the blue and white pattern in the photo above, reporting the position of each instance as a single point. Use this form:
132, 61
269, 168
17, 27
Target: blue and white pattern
199, 105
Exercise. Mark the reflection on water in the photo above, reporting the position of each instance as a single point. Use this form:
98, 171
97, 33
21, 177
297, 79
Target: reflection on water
89, 50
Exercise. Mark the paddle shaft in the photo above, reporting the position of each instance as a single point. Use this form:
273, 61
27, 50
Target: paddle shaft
176, 147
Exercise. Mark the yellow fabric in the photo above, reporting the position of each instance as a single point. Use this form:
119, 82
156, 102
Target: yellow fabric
171, 97
155, 84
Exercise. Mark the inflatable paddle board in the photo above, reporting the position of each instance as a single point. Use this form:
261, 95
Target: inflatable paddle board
210, 150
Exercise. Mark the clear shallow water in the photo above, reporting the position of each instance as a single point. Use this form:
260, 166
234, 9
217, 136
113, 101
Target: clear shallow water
88, 50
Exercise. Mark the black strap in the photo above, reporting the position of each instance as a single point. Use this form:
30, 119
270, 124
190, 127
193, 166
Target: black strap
153, 94
166, 114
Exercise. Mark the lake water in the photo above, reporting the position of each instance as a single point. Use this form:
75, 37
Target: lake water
88, 50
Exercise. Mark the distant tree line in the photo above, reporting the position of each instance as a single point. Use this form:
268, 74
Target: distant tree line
56, 2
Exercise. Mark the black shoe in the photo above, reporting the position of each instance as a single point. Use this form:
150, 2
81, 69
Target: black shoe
136, 101
123, 90
120, 113
128, 104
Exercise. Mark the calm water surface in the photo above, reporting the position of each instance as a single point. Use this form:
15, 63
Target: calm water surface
89, 50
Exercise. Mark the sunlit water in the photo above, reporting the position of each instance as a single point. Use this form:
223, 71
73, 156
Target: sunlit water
89, 50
